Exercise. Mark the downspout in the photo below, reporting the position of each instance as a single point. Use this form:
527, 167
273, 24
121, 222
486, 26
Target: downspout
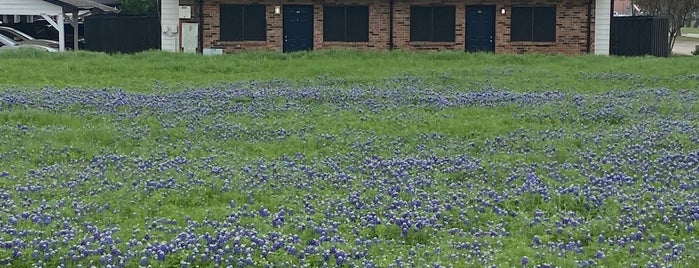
201, 26
588, 48
159, 11
390, 25
611, 18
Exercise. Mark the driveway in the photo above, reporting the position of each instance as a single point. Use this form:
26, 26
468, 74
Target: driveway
684, 47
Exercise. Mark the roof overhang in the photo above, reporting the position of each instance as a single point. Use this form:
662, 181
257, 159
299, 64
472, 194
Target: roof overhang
70, 6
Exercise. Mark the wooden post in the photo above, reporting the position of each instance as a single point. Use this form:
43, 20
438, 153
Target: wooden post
74, 23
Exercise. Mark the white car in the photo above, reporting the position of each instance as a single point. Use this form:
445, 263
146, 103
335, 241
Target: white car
8, 43
25, 39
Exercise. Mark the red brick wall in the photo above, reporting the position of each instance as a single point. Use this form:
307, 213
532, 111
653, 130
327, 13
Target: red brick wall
623, 7
212, 27
571, 31
378, 25
402, 26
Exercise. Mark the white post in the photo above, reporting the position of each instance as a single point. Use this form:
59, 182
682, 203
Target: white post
58, 25
61, 33
74, 23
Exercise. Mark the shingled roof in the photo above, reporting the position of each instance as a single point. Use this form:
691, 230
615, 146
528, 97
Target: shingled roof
110, 3
73, 5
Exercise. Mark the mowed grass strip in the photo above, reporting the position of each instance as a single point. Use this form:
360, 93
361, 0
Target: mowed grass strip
155, 70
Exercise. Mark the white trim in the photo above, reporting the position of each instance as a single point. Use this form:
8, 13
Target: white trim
28, 7
50, 20
169, 25
37, 8
603, 22
58, 25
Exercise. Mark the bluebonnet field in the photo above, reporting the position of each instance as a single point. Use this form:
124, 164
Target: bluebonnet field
399, 175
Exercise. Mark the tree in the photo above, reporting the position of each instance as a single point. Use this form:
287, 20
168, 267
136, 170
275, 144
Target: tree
677, 11
138, 7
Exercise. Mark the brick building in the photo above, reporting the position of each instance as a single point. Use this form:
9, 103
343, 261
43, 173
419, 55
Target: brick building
500, 26
623, 7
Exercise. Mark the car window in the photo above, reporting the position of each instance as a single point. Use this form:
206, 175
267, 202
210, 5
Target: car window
6, 41
16, 33
9, 34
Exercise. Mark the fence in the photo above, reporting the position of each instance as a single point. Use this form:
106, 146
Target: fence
122, 34
639, 36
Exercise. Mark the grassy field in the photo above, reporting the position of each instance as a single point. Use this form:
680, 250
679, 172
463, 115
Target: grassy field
348, 159
687, 30
688, 39
146, 72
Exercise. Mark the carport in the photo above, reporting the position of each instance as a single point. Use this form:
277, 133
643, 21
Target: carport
58, 9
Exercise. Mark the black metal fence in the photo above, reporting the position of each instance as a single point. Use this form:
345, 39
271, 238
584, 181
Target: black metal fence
639, 36
122, 34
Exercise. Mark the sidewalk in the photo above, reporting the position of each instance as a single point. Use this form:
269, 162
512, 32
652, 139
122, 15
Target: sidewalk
685, 47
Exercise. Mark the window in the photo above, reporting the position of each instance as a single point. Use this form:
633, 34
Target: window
534, 24
243, 23
432, 23
346, 23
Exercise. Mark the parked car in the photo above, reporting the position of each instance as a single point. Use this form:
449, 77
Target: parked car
23, 38
8, 43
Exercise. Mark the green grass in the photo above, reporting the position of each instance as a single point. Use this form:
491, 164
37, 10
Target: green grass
686, 30
506, 140
156, 71
687, 39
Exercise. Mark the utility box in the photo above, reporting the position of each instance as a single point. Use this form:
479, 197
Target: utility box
189, 37
640, 36
211, 51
